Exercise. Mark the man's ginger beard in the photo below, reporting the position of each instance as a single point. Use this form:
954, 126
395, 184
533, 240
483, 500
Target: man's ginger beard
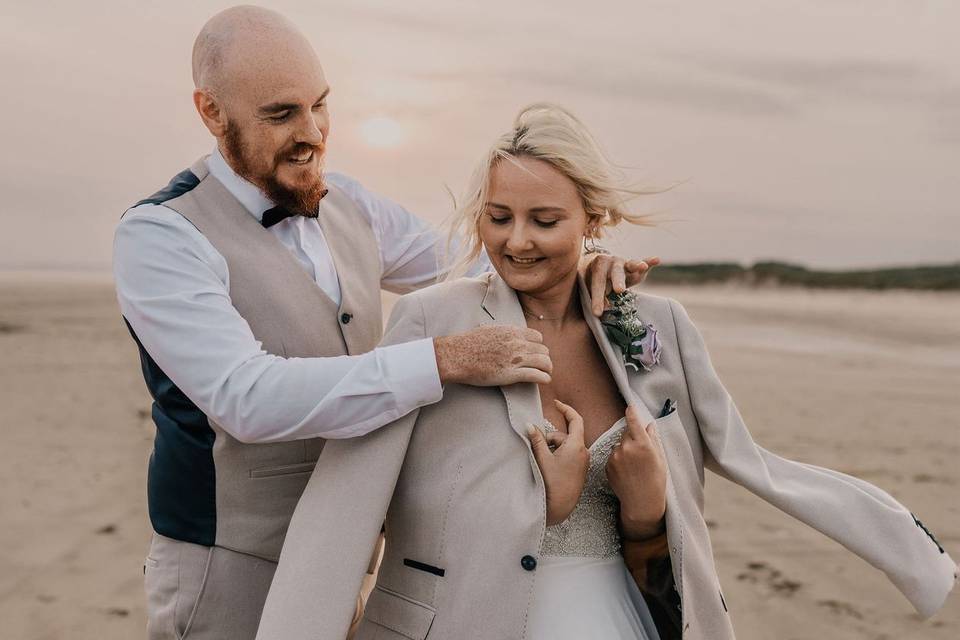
302, 202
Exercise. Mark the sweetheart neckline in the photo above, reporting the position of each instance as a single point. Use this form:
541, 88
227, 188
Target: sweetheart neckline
600, 437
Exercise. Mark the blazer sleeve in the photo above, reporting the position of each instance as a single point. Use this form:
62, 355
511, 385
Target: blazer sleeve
863, 518
338, 519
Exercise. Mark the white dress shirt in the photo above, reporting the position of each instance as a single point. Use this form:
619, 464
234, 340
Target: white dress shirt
173, 288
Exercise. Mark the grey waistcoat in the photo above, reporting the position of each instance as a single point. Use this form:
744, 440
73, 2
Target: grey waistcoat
243, 495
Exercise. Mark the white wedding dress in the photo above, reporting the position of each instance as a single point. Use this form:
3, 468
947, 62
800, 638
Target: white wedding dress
583, 589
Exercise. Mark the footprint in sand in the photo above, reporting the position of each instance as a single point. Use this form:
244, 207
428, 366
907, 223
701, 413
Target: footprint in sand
6, 327
842, 608
760, 573
926, 477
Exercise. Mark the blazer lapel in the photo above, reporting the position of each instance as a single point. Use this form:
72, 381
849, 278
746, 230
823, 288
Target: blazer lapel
611, 354
619, 370
500, 305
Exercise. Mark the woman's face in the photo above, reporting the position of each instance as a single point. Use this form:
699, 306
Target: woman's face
533, 225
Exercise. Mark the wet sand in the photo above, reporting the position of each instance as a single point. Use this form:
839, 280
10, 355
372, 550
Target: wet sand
863, 382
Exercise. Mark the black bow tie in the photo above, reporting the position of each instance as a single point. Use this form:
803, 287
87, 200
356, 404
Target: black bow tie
275, 215
279, 214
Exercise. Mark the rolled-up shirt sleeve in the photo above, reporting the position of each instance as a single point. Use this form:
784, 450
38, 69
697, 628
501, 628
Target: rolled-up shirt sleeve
173, 290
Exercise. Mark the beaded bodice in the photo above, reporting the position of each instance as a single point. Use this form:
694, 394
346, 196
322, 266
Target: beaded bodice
591, 529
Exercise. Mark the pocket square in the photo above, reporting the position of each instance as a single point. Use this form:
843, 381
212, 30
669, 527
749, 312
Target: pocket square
668, 407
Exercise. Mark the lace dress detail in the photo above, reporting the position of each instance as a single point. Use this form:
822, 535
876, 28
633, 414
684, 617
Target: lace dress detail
591, 529
583, 588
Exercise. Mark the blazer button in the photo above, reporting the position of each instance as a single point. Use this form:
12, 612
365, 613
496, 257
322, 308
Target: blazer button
345, 318
529, 563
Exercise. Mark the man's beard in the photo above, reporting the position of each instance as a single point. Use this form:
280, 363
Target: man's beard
301, 202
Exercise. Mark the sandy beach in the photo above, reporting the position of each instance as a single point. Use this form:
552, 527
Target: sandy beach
863, 382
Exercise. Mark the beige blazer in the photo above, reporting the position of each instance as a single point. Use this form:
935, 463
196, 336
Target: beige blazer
464, 502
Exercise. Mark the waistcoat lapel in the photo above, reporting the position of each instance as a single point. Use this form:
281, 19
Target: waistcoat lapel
269, 288
358, 269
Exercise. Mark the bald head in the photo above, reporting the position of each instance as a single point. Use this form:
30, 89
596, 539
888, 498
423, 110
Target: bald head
245, 40
261, 92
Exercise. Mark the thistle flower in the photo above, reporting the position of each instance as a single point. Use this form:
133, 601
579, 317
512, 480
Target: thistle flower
638, 342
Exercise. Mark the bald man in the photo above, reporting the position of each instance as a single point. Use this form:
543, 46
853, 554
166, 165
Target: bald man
251, 285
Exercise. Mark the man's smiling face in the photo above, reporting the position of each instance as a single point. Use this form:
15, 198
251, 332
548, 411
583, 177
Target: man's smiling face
264, 96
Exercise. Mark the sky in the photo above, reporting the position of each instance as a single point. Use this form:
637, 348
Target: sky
822, 132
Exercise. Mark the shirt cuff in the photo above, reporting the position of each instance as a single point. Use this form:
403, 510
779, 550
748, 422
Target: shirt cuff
420, 379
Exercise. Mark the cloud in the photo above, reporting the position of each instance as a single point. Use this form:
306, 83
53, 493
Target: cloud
436, 22
856, 80
647, 84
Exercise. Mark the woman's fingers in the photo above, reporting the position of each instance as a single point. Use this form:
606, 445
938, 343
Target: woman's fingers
652, 433
635, 430
574, 422
555, 438
541, 450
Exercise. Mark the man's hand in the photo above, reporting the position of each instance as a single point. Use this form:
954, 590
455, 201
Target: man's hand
605, 272
637, 473
493, 356
564, 469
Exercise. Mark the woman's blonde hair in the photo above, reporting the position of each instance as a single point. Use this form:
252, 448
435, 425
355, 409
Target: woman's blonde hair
550, 133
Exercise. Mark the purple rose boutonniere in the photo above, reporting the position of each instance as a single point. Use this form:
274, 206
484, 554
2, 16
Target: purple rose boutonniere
638, 342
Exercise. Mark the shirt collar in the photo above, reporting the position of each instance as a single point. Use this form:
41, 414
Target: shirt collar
249, 194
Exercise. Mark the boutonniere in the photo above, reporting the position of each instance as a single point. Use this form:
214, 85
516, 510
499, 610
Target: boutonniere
638, 342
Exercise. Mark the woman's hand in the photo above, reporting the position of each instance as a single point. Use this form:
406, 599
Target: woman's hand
637, 473
564, 469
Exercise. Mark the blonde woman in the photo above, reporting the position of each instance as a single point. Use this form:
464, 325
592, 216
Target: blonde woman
494, 533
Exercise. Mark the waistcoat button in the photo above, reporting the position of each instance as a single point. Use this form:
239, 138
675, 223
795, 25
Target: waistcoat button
345, 318
529, 563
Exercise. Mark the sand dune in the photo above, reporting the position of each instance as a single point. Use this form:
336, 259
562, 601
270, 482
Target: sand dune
862, 382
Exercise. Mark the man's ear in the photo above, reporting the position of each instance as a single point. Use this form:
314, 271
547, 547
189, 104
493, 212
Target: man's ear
211, 112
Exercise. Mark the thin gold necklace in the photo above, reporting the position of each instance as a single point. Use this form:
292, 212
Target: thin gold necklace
538, 316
